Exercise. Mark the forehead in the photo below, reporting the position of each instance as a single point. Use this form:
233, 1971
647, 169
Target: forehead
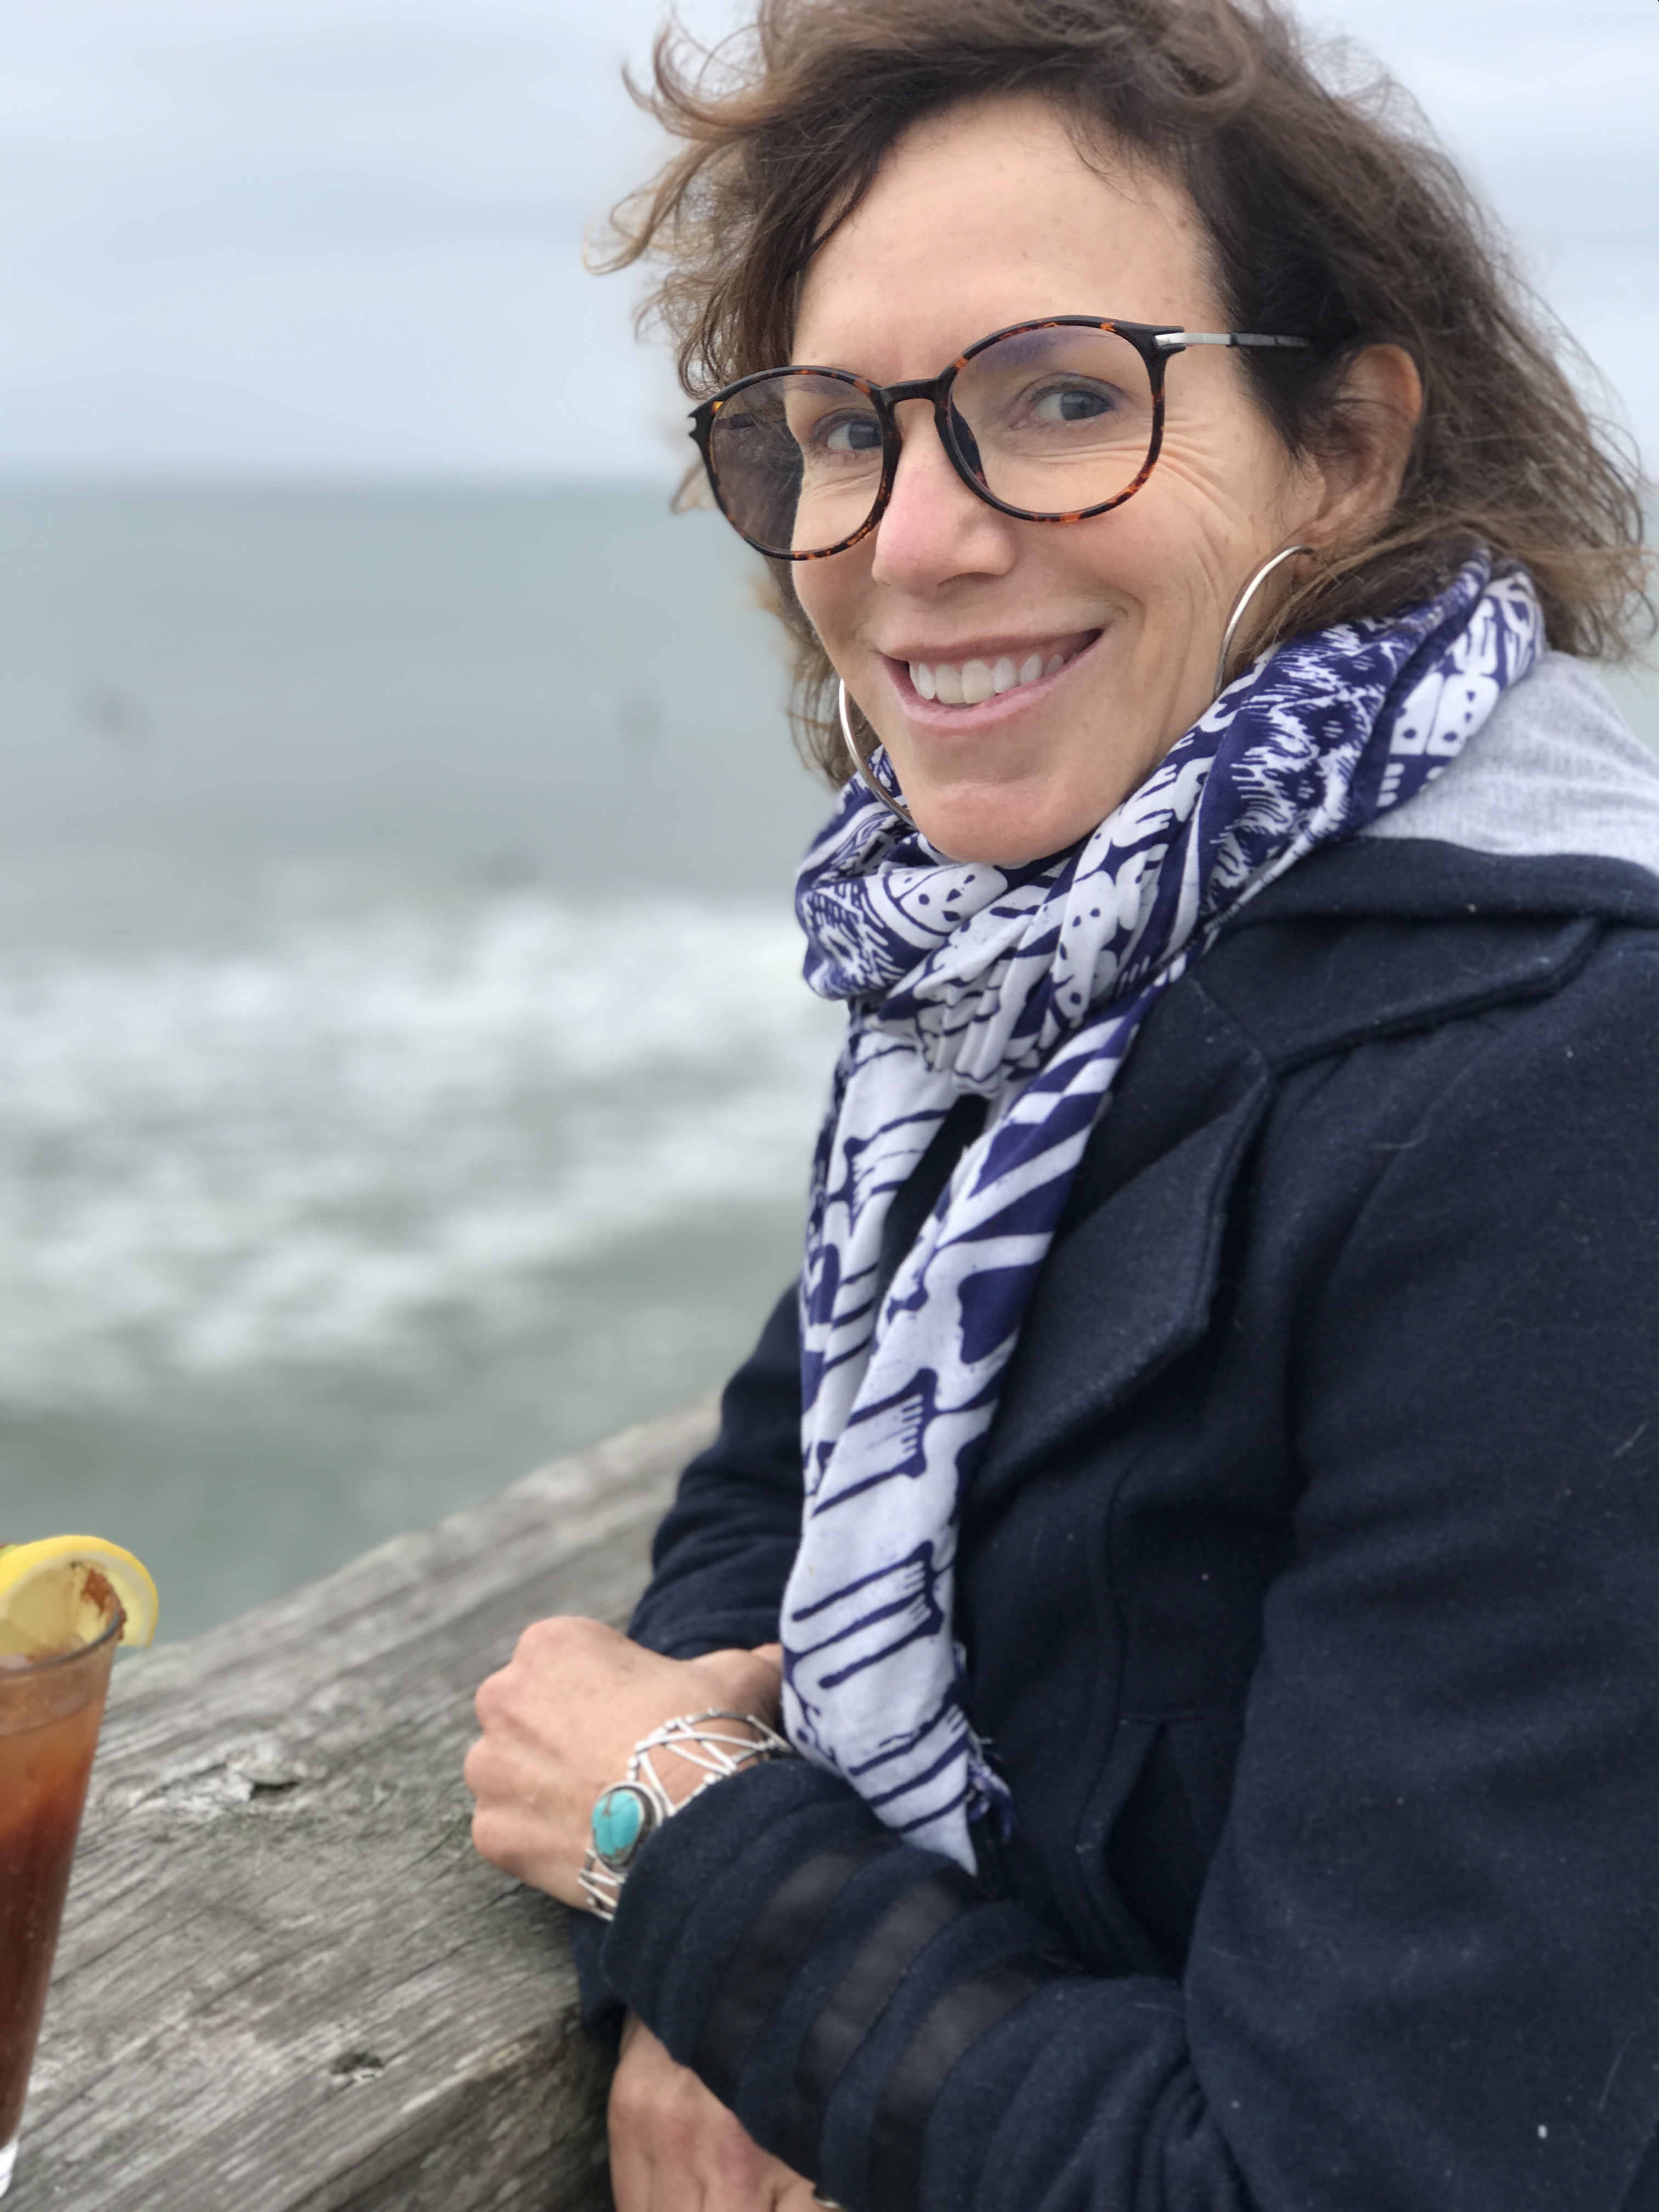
992, 214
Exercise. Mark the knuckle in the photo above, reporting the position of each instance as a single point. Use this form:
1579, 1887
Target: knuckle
630, 2095
626, 2104
540, 1637
660, 2127
559, 1632
737, 2161
500, 1838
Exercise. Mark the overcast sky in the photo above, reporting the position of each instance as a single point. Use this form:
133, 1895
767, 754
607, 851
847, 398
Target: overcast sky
338, 237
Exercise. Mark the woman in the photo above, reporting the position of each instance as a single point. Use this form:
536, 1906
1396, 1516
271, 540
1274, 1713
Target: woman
1219, 1614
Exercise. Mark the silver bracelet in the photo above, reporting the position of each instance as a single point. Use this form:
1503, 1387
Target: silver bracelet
636, 1807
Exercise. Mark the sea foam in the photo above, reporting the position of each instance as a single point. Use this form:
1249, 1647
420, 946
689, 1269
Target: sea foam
368, 1118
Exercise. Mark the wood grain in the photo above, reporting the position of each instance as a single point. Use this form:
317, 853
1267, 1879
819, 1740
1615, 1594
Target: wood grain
286, 1980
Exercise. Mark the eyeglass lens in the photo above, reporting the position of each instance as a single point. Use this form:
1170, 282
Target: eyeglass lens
1049, 421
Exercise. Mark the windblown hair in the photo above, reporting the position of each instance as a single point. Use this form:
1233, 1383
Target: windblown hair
1328, 213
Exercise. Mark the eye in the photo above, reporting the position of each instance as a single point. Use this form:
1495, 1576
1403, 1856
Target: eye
1071, 403
848, 434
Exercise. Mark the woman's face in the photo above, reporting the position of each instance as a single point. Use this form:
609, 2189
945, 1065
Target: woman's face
985, 216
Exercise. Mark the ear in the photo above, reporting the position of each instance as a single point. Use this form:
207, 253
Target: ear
1374, 417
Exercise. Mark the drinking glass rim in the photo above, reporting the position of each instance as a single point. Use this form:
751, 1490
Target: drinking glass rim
18, 1665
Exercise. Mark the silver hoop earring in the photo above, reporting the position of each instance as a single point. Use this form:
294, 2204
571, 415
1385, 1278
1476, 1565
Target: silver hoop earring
863, 766
1242, 603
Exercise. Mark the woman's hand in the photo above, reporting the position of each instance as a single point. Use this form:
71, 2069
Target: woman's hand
559, 1722
675, 2147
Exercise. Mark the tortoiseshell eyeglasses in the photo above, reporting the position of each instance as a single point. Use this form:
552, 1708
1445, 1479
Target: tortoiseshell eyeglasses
1053, 421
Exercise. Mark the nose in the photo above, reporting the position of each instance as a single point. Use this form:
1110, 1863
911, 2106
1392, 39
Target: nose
934, 529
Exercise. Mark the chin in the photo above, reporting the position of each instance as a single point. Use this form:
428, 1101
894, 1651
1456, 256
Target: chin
997, 830
1042, 805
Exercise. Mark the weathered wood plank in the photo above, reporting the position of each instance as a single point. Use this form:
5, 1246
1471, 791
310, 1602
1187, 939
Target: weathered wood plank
286, 1983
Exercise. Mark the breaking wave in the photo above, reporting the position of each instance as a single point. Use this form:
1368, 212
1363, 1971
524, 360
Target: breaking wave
369, 1120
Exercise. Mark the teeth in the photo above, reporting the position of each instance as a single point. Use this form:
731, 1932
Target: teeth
975, 681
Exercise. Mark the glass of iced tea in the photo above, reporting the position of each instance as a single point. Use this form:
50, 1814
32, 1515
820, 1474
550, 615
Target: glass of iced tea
51, 1706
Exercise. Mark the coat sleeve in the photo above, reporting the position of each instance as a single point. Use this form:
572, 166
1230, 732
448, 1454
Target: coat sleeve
722, 1556
1424, 1972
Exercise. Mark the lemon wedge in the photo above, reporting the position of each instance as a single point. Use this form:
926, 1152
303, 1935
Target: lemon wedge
56, 1594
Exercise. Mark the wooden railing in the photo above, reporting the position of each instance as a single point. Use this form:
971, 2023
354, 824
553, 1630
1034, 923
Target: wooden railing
286, 1980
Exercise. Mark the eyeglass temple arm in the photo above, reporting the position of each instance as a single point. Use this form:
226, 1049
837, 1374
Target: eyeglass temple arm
1174, 341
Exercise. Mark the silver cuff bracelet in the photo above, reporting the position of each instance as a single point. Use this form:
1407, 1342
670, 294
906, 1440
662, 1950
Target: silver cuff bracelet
636, 1807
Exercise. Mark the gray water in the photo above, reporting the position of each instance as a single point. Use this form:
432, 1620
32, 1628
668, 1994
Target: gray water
404, 1073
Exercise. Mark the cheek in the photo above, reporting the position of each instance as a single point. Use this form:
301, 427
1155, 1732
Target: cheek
829, 595
1178, 548
1228, 496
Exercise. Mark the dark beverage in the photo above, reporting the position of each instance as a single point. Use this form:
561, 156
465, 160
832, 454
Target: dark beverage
50, 1711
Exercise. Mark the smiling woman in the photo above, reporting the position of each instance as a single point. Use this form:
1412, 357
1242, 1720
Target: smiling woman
1123, 613
1152, 1698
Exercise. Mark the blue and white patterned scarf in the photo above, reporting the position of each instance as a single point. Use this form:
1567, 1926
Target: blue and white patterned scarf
1027, 986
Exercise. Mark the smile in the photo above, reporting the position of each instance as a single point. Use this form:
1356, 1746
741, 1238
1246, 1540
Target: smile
987, 674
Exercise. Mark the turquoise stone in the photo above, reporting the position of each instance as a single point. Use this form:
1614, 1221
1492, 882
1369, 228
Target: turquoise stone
619, 1822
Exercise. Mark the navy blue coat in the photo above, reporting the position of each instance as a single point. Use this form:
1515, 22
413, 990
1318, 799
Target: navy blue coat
1310, 1589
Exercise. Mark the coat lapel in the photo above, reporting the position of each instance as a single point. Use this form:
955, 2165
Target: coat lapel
1127, 1286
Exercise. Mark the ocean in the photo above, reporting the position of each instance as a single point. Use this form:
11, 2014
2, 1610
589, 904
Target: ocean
407, 1073
407, 1076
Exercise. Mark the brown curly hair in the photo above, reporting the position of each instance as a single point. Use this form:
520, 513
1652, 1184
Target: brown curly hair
1327, 215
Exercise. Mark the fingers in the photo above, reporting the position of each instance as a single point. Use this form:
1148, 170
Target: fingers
560, 1723
584, 1658
743, 1681
630, 2175
657, 2126
675, 2147
630, 2163
771, 1656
